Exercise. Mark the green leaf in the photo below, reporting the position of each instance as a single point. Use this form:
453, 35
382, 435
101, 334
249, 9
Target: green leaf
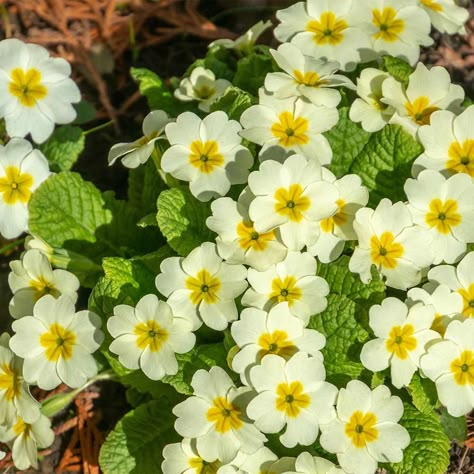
63, 147
428, 452
455, 427
233, 102
347, 140
182, 219
219, 60
136, 443
423, 394
85, 112
397, 68
251, 71
385, 163
148, 221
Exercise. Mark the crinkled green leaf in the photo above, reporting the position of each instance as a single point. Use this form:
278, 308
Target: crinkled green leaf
423, 393
251, 71
219, 60
233, 102
455, 427
85, 112
397, 68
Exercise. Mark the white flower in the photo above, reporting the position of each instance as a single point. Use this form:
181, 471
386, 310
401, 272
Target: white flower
184, 458
137, 153
446, 208
262, 461
258, 333
428, 90
238, 241
148, 336
446, 16
292, 197
334, 231
324, 30
15, 398
307, 464
448, 142
294, 281
389, 240
448, 305
365, 431
32, 277
57, 343
459, 279
35, 90
396, 27
369, 109
293, 124
294, 394
216, 417
201, 287
402, 335
306, 77
22, 170
207, 153
450, 364
202, 86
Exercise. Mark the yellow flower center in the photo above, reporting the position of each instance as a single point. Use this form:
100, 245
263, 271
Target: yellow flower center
20, 427
204, 287
337, 220
224, 415
10, 382
276, 343
290, 130
420, 110
15, 186
58, 342
285, 290
438, 324
433, 5
309, 78
26, 86
249, 238
150, 334
290, 202
463, 368
328, 30
443, 215
205, 156
401, 341
385, 251
388, 24
291, 398
360, 428
203, 467
461, 157
43, 287
468, 300
204, 92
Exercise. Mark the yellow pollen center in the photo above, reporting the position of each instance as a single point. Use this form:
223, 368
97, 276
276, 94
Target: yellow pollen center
401, 341
461, 157
468, 300
309, 78
150, 334
328, 30
205, 156
203, 467
433, 5
58, 342
15, 186
420, 110
290, 202
204, 287
360, 428
337, 220
204, 92
438, 324
463, 368
249, 238
224, 415
285, 290
10, 382
26, 86
290, 130
291, 398
276, 343
20, 427
43, 287
443, 215
388, 25
385, 251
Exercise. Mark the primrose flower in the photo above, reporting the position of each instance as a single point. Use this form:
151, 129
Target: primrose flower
324, 30
202, 86
294, 394
148, 336
35, 89
25, 439
22, 170
402, 335
238, 241
292, 197
389, 240
428, 90
307, 464
446, 16
450, 364
262, 461
207, 153
459, 279
201, 287
32, 277
258, 333
369, 108
293, 124
446, 208
448, 142
137, 153
293, 281
216, 417
306, 77
57, 343
365, 431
